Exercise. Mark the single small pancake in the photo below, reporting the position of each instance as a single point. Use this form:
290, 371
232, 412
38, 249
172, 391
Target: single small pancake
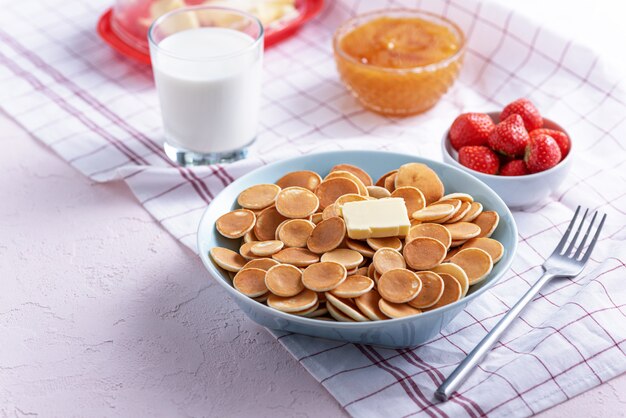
250, 282
261, 263
337, 314
249, 236
451, 253
296, 202
284, 280
431, 213
348, 175
359, 172
307, 312
316, 217
258, 196
378, 192
353, 287
246, 250
324, 276
299, 257
463, 230
475, 262
397, 310
381, 181
320, 311
387, 259
368, 304
331, 211
360, 246
346, 306
352, 197
493, 247
307, 179
300, 302
475, 210
227, 259
266, 223
451, 291
455, 271
390, 242
488, 222
413, 198
265, 248
262, 298
329, 190
422, 177
327, 235
236, 223
424, 253
460, 214
430, 230
432, 289
399, 285
350, 259
295, 232
463, 197
390, 182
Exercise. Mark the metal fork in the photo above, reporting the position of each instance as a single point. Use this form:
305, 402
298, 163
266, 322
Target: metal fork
563, 262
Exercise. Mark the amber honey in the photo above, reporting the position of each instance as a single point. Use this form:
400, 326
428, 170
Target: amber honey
398, 62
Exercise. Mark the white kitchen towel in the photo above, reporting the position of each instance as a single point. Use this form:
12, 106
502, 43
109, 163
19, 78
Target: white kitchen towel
99, 112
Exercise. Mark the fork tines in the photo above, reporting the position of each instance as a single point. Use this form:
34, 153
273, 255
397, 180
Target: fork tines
580, 253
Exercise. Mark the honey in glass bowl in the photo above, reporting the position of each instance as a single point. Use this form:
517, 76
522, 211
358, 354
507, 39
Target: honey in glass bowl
398, 62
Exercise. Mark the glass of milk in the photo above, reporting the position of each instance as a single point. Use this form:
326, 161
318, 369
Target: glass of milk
207, 69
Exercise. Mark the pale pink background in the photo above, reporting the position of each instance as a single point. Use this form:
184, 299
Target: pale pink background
91, 319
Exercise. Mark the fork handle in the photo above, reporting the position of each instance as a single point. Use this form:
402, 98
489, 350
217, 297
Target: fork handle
459, 375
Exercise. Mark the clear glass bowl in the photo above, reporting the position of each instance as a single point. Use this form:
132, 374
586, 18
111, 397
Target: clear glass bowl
398, 91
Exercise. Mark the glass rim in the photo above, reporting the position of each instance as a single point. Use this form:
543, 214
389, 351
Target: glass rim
344, 29
162, 18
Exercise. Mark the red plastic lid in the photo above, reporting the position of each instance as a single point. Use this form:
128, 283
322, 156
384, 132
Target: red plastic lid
307, 10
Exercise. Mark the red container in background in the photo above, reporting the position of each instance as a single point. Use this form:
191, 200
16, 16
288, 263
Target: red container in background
125, 26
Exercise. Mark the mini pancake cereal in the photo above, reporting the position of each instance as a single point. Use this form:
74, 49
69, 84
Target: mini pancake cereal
284, 280
402, 258
235, 224
324, 276
307, 179
399, 285
296, 202
258, 196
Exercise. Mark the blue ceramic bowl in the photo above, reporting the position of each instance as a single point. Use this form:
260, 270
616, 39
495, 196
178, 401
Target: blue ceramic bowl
396, 333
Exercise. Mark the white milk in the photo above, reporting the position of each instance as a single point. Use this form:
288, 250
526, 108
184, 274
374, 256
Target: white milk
209, 88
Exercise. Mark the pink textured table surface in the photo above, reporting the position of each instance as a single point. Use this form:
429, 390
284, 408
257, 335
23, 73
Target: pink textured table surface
103, 313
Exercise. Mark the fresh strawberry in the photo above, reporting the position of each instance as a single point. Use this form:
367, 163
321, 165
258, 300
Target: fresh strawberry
509, 137
479, 158
542, 153
470, 129
560, 137
529, 113
514, 168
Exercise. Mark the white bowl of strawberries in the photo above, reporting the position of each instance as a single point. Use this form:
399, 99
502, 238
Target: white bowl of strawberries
521, 155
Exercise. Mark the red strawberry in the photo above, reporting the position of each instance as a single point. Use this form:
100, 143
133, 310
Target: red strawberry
509, 137
542, 153
529, 113
470, 129
479, 158
560, 137
514, 168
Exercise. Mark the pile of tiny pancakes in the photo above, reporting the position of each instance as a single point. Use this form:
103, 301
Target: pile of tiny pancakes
296, 257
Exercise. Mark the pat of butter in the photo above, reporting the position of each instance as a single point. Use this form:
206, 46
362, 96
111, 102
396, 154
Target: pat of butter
376, 218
